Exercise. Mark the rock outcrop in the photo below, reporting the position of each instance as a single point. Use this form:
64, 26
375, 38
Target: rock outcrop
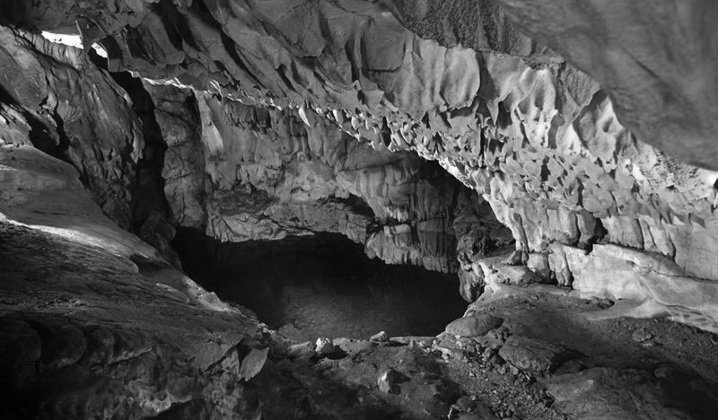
94, 323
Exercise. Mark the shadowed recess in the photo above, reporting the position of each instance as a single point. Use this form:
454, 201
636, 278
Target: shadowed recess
321, 286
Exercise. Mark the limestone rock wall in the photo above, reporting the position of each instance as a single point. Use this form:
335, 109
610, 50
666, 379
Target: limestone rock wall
53, 97
546, 145
97, 339
177, 118
261, 173
240, 171
657, 59
94, 323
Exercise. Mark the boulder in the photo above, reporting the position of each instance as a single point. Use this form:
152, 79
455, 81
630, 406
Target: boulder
474, 325
531, 354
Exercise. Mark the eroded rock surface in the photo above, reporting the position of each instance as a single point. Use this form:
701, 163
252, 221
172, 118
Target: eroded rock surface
85, 335
53, 97
258, 120
95, 323
259, 173
656, 59
540, 140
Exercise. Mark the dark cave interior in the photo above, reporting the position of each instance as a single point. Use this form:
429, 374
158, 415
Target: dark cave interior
322, 285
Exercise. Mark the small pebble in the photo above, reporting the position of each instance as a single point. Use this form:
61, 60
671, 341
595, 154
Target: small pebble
380, 337
641, 334
386, 380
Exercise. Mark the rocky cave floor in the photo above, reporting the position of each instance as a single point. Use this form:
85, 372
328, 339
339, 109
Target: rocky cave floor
546, 360
520, 352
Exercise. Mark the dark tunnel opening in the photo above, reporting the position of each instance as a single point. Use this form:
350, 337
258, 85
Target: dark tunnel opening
322, 285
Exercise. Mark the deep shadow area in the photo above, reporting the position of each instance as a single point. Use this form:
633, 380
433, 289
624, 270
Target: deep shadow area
321, 285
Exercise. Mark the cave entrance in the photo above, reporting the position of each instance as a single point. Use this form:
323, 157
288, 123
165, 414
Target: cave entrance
322, 285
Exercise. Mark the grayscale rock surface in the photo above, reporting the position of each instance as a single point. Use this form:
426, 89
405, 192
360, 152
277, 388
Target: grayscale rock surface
558, 157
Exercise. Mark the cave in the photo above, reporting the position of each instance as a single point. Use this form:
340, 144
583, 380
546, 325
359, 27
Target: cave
320, 209
322, 286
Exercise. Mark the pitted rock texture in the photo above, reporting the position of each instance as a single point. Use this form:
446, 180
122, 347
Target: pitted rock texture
539, 139
642, 66
257, 173
657, 59
402, 208
307, 118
